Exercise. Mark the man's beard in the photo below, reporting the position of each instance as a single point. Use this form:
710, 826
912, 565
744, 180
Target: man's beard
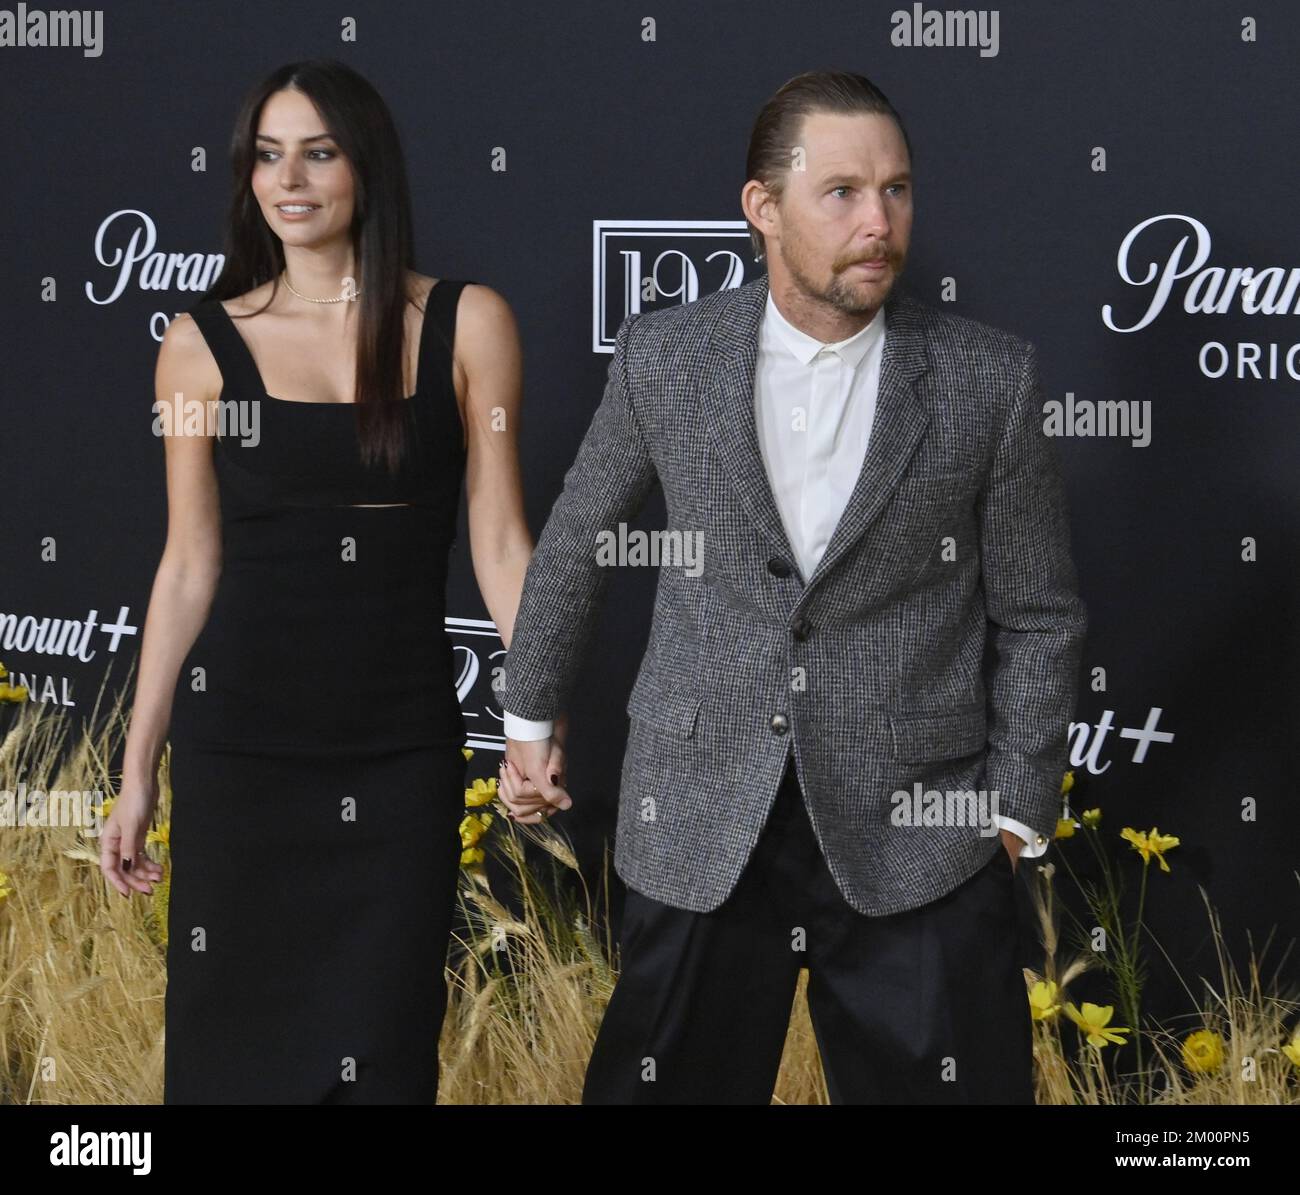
841, 293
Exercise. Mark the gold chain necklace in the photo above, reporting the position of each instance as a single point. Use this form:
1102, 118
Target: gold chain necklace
307, 298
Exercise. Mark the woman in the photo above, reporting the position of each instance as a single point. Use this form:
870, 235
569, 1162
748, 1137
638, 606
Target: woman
317, 764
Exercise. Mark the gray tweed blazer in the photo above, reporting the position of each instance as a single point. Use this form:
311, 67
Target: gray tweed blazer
935, 648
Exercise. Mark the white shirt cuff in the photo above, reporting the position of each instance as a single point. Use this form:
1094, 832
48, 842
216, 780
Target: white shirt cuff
1035, 843
524, 729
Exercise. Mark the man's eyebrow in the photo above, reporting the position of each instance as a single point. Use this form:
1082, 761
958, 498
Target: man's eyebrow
903, 176
313, 137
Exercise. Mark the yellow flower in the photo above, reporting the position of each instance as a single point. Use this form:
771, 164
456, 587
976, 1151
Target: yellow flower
3, 672
1067, 782
1064, 828
1092, 818
484, 792
1042, 1000
1203, 1051
471, 856
163, 834
1093, 1021
467, 753
1152, 843
107, 807
13, 692
473, 826
5, 890
1291, 1049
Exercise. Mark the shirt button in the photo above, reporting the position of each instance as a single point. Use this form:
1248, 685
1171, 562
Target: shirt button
780, 724
802, 628
778, 567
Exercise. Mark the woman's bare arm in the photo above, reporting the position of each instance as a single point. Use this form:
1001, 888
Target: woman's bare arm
183, 588
488, 350
487, 341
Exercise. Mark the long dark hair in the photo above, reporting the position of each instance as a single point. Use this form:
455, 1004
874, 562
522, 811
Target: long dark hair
359, 121
780, 125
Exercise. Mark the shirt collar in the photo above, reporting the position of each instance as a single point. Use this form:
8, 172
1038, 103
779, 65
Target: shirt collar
804, 348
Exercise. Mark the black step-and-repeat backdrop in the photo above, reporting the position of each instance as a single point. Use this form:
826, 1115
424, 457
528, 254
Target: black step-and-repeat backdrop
1113, 181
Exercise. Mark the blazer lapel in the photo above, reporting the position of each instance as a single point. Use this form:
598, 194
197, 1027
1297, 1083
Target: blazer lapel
728, 402
896, 430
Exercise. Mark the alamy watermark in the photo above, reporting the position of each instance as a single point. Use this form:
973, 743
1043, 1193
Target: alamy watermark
678, 549
232, 419
22, 27
44, 809
923, 807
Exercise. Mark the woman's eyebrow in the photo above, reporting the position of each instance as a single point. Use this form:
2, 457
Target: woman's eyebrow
313, 137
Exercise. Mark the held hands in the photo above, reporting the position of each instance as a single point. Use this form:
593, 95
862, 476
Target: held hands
532, 777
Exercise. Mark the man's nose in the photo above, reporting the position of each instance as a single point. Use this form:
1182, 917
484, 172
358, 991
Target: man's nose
874, 220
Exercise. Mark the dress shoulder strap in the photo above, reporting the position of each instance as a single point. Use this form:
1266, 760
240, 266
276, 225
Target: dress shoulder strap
238, 370
440, 318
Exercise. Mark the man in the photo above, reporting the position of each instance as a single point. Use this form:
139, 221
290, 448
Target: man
877, 501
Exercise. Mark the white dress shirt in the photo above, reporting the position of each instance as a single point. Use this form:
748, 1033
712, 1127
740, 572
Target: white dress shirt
814, 405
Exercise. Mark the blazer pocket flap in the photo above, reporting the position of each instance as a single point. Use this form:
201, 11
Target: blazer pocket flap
924, 737
672, 710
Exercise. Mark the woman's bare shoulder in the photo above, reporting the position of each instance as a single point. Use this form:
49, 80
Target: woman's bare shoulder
486, 315
185, 361
487, 334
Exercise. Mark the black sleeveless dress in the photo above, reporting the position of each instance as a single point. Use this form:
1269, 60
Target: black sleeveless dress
317, 762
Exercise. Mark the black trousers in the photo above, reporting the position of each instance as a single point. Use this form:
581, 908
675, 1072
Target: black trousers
927, 1006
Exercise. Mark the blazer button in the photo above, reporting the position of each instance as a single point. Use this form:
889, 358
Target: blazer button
778, 567
802, 627
780, 724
